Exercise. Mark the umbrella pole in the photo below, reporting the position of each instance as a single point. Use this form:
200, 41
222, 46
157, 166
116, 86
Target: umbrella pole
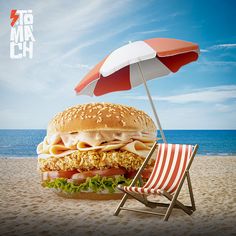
152, 104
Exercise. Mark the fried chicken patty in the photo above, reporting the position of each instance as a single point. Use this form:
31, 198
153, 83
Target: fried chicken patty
88, 160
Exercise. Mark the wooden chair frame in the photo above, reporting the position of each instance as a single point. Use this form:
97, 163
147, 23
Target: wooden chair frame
174, 203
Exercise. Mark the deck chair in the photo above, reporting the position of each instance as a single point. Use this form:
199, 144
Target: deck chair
170, 170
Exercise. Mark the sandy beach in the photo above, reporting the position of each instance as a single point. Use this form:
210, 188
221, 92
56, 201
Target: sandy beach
28, 209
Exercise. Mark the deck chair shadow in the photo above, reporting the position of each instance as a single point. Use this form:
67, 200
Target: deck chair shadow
170, 170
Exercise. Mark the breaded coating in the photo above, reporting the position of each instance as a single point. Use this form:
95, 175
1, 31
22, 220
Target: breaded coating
88, 160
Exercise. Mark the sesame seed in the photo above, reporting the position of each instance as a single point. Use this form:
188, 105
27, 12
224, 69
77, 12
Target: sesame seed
123, 123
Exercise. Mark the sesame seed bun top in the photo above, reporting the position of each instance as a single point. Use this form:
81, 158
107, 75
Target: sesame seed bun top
100, 116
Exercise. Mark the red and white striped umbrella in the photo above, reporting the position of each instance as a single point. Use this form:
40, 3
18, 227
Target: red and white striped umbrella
135, 63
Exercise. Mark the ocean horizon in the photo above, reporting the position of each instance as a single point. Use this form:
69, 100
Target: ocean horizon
23, 142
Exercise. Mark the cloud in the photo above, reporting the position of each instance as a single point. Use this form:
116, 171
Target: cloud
152, 31
165, 17
219, 46
224, 46
218, 63
224, 107
94, 40
78, 66
62, 32
197, 117
59, 39
204, 95
204, 50
70, 38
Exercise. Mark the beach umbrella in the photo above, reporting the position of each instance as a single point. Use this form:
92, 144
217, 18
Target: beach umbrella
134, 64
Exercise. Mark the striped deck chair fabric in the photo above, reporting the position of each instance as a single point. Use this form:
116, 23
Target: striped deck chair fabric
170, 165
170, 170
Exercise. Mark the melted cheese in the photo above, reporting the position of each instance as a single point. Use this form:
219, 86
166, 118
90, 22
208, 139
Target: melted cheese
95, 138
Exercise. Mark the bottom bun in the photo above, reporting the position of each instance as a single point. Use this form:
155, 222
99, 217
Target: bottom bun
90, 195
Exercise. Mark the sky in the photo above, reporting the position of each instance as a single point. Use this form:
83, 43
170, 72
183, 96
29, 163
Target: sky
73, 36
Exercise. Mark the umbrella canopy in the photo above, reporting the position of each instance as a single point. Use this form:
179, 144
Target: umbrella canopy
134, 64
120, 70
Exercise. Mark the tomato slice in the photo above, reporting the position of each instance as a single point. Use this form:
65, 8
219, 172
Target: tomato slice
58, 174
105, 172
79, 178
108, 172
145, 174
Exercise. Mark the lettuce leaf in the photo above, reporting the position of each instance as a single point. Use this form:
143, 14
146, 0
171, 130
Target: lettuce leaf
95, 184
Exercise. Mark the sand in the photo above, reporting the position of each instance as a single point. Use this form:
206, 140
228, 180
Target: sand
28, 209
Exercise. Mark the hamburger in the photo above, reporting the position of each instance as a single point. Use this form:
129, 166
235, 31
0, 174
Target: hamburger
89, 149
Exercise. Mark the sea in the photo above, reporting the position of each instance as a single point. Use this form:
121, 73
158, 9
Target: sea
23, 143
